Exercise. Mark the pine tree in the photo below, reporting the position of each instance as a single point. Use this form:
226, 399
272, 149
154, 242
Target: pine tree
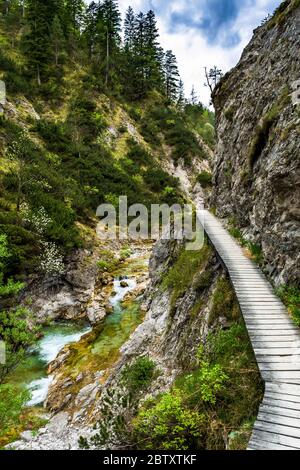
139, 55
57, 39
194, 97
109, 19
13, 17
171, 76
181, 97
153, 54
90, 31
36, 42
74, 14
129, 29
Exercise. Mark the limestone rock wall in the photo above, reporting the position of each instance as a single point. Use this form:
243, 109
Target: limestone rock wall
257, 159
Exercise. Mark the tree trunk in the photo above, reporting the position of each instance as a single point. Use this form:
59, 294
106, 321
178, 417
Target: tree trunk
107, 58
56, 56
38, 75
19, 194
208, 81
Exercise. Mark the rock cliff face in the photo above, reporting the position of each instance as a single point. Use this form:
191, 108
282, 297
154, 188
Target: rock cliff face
257, 164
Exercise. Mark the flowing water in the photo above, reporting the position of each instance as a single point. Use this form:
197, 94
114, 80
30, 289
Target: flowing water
32, 374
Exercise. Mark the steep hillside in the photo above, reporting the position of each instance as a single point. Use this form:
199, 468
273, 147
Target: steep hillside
73, 135
68, 147
256, 163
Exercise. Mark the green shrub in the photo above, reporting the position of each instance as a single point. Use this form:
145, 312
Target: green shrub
138, 154
290, 295
229, 113
16, 83
138, 376
107, 261
262, 131
150, 131
203, 280
157, 179
24, 248
224, 344
205, 179
18, 337
261, 137
168, 424
54, 133
224, 302
181, 274
12, 402
205, 384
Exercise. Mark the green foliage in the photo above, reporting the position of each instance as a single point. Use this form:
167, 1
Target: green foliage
290, 295
177, 134
15, 332
125, 253
205, 179
224, 302
203, 280
262, 131
113, 426
202, 121
255, 249
220, 395
282, 12
182, 273
229, 113
224, 344
107, 261
242, 395
261, 136
206, 383
9, 287
168, 424
138, 376
12, 402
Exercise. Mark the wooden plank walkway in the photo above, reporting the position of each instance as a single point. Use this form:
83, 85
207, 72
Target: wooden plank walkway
275, 340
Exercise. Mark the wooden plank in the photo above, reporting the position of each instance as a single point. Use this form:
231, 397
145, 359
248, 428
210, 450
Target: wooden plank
288, 389
275, 344
270, 441
273, 438
248, 318
281, 403
271, 328
265, 309
278, 429
282, 396
278, 336
262, 445
280, 359
278, 419
275, 351
279, 411
281, 374
268, 321
267, 366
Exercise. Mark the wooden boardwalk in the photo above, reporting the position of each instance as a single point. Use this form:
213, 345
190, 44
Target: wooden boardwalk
275, 340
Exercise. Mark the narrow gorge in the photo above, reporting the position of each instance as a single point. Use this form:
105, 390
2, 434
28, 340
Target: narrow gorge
143, 344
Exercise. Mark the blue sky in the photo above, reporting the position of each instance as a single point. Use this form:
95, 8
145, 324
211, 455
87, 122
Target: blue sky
205, 32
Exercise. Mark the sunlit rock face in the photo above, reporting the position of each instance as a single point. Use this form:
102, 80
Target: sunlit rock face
257, 160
